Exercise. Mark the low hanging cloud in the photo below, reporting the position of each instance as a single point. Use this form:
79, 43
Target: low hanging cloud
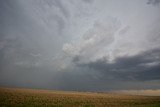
142, 67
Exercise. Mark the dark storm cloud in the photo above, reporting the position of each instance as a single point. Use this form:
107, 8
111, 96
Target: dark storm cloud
153, 2
141, 67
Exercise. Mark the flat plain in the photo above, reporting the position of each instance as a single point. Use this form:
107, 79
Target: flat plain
14, 97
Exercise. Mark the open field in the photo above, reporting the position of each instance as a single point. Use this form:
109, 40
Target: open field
10, 97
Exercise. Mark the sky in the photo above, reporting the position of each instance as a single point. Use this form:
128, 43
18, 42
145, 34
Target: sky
83, 45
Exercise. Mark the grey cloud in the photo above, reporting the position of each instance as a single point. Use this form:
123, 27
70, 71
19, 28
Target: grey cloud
88, 1
53, 3
31, 37
60, 5
98, 54
23, 36
60, 24
124, 30
153, 2
95, 40
142, 67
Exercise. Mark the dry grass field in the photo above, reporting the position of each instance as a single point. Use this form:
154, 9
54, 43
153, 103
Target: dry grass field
10, 97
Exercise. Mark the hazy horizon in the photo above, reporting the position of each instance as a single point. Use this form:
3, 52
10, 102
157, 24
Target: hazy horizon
83, 45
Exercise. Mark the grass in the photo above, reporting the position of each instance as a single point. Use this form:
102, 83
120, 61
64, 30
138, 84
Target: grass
47, 98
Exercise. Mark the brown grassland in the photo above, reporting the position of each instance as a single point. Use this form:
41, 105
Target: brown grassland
11, 97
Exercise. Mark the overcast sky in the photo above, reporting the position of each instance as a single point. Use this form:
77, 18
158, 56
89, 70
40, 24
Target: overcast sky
85, 45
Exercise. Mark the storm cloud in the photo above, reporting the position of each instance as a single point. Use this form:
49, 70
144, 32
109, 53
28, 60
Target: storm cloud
143, 67
154, 2
80, 45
